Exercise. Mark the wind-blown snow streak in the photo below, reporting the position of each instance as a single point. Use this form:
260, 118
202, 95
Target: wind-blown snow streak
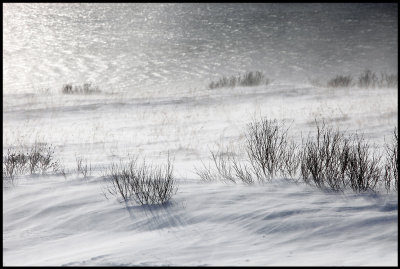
57, 222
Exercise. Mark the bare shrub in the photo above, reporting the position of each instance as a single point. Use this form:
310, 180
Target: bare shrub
368, 79
391, 167
247, 79
329, 159
266, 145
83, 167
223, 165
67, 89
14, 163
267, 153
153, 185
223, 82
118, 174
290, 160
41, 158
86, 88
252, 79
62, 171
34, 158
363, 170
389, 80
226, 167
38, 159
325, 157
244, 172
340, 82
205, 173
143, 183
333, 160
47, 160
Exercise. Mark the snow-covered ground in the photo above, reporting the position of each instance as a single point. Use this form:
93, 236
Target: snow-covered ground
153, 62
52, 220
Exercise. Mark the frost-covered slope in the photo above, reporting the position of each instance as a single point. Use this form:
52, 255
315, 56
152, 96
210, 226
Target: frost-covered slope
55, 222
52, 220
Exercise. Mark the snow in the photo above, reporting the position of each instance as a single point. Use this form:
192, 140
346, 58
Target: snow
52, 220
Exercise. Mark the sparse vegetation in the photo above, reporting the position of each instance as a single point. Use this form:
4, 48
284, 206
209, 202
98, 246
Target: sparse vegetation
205, 173
324, 158
391, 175
266, 148
226, 167
332, 160
328, 160
83, 167
86, 88
362, 169
340, 82
268, 153
143, 183
247, 79
222, 163
38, 159
13, 164
367, 79
389, 80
